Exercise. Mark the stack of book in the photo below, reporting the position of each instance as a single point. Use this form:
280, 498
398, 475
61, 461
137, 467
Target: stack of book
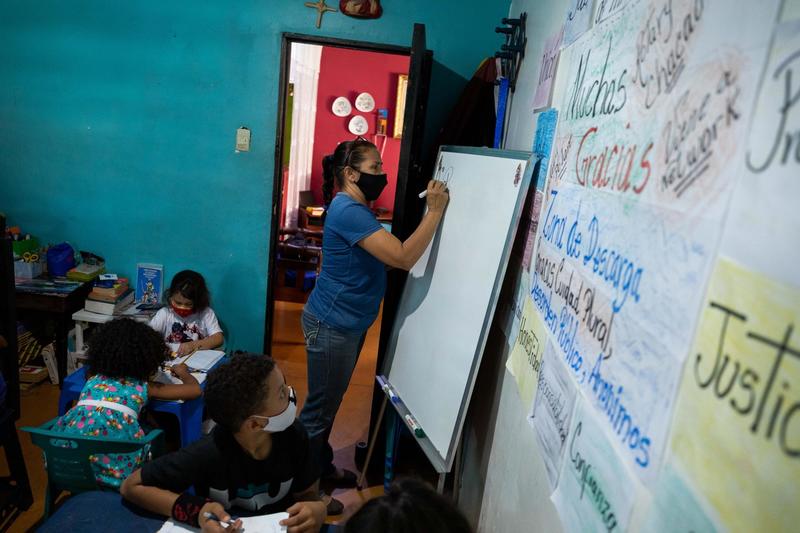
30, 376
109, 297
86, 272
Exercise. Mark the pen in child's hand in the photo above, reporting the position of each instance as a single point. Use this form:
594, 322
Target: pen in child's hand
223, 523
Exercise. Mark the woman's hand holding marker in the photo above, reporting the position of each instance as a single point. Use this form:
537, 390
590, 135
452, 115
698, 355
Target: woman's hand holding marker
437, 196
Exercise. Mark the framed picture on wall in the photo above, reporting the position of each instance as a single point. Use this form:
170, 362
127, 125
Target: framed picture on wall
400, 107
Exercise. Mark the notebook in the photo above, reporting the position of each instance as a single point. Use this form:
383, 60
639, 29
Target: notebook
169, 379
203, 360
269, 523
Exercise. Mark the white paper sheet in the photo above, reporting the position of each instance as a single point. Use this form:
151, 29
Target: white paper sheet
261, 524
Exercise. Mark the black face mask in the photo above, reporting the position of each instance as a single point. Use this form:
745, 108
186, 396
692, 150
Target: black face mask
371, 185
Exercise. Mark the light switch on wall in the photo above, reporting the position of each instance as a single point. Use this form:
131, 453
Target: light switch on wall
243, 140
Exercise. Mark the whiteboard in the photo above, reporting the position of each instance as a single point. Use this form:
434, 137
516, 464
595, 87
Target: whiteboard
450, 295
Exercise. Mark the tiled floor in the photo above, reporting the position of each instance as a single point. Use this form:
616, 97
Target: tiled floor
40, 405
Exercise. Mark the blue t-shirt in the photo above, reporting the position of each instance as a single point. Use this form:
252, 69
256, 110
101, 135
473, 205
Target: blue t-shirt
351, 285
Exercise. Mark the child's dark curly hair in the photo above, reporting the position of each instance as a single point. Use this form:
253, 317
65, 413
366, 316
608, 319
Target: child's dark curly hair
410, 506
237, 389
192, 286
125, 348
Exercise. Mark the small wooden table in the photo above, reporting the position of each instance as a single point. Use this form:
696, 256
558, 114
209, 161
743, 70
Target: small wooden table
57, 305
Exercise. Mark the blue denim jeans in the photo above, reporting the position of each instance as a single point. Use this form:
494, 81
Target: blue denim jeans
332, 356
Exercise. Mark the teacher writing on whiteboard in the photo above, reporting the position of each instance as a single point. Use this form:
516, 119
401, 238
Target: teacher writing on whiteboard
356, 250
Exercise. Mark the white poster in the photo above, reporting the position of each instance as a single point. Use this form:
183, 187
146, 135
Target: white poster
551, 415
652, 114
596, 490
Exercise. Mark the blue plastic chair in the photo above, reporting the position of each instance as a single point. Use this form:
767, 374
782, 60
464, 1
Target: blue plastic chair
66, 457
71, 390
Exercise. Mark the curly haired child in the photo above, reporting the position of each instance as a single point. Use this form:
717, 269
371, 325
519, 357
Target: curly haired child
123, 357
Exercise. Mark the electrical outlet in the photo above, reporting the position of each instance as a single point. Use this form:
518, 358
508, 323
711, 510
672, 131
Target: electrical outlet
243, 140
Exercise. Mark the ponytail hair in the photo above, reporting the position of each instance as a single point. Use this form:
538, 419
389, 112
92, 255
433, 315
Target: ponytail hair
327, 179
347, 154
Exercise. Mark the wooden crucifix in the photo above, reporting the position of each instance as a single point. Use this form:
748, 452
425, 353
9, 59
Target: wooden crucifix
321, 8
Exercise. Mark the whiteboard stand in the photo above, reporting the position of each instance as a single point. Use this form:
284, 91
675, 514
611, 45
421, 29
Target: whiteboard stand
392, 439
373, 438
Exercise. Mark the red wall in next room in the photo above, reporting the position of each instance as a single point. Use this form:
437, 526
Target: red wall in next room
345, 72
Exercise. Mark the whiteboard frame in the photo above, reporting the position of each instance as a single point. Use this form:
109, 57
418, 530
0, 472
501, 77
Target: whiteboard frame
440, 463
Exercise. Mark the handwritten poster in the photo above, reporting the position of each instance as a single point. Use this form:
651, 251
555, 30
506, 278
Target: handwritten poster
579, 19
536, 209
542, 147
513, 306
763, 216
737, 423
525, 360
608, 10
596, 491
675, 506
791, 10
546, 122
651, 104
551, 415
547, 70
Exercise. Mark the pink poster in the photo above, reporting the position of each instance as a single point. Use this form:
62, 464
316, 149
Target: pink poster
547, 70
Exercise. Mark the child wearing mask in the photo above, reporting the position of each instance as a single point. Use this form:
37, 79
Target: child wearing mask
189, 320
256, 460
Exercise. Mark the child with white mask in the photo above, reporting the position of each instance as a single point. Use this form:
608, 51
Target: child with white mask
256, 460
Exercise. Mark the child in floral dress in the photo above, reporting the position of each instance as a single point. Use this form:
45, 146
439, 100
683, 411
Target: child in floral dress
123, 357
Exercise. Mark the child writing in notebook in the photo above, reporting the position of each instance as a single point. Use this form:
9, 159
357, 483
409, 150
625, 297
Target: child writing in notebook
189, 320
256, 461
124, 355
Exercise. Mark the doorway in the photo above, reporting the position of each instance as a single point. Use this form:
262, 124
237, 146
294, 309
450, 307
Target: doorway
317, 74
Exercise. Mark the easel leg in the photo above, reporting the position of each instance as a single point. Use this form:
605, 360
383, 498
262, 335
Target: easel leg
457, 470
440, 484
392, 438
372, 440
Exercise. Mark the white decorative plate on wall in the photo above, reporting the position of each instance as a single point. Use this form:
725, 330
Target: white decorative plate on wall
365, 102
341, 107
358, 125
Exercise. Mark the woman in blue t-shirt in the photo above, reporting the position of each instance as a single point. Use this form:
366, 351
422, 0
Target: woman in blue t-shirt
344, 303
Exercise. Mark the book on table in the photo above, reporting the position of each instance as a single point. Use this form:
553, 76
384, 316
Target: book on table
149, 283
110, 308
108, 295
109, 291
86, 272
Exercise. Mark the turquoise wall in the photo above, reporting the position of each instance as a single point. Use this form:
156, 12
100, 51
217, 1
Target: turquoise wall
118, 119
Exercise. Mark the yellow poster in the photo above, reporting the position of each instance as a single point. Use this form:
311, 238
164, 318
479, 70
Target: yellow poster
737, 424
525, 360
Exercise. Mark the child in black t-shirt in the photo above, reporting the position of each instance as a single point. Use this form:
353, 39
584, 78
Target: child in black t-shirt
256, 461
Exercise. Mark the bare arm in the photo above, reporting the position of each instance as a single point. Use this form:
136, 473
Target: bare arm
211, 342
208, 343
153, 499
308, 514
391, 251
188, 390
